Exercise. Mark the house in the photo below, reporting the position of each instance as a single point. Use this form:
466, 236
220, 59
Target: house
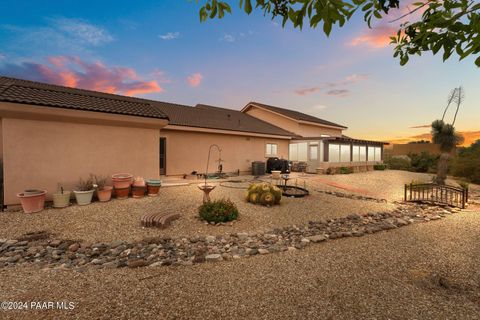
52, 135
319, 143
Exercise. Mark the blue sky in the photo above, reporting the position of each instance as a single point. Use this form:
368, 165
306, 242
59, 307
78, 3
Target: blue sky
160, 50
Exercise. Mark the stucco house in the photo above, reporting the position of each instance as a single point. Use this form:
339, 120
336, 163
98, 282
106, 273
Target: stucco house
52, 135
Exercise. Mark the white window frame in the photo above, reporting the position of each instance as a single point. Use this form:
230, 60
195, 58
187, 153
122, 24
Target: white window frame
271, 149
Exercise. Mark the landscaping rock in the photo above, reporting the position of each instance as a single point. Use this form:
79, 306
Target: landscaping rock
317, 238
213, 257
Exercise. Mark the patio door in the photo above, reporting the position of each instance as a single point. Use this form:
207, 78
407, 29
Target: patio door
163, 156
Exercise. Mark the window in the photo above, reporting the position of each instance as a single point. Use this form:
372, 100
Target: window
313, 151
302, 151
333, 153
378, 154
271, 149
345, 153
293, 152
371, 153
362, 153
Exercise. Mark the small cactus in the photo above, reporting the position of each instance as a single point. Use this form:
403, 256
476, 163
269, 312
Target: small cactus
263, 193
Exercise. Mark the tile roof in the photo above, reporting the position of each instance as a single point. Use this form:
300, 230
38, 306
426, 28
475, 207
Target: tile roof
201, 116
204, 116
295, 114
42, 94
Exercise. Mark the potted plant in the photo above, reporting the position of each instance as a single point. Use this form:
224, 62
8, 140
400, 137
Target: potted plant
104, 192
32, 200
121, 184
61, 199
138, 187
84, 192
153, 186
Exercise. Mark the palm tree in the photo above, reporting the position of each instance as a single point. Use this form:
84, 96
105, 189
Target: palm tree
445, 136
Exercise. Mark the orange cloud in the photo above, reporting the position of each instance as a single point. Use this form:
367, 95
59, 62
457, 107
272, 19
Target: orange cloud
469, 136
75, 72
376, 38
195, 79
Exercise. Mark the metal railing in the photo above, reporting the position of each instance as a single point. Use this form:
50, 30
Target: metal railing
435, 193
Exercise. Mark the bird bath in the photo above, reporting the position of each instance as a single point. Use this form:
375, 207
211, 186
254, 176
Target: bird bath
207, 188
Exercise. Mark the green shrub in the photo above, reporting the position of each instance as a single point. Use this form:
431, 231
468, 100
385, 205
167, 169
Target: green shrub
345, 170
467, 163
463, 184
218, 211
397, 163
379, 167
423, 162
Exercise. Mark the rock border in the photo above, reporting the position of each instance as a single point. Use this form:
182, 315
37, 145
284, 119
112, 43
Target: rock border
69, 254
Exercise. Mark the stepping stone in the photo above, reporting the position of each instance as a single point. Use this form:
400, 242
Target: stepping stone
159, 220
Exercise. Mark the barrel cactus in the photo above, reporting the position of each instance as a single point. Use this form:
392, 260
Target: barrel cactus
263, 193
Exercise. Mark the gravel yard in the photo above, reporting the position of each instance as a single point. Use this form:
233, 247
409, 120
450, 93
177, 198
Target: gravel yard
422, 271
120, 219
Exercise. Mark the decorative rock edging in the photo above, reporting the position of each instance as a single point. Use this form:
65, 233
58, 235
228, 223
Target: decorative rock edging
66, 254
351, 196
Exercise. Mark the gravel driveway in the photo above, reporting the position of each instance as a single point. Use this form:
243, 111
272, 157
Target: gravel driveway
422, 271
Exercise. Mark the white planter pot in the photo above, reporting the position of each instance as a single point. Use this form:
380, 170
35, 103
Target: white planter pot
84, 197
61, 200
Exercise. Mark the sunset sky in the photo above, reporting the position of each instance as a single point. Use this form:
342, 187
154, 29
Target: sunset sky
159, 50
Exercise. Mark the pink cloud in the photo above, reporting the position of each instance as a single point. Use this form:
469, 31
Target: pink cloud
376, 38
305, 91
195, 79
339, 92
75, 72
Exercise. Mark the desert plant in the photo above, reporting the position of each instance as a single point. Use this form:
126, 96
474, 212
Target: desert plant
398, 163
263, 193
85, 185
100, 181
467, 163
345, 170
379, 167
423, 162
217, 211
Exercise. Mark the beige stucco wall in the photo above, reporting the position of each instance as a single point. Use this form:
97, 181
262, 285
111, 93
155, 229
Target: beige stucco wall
188, 151
277, 120
306, 130
302, 129
41, 154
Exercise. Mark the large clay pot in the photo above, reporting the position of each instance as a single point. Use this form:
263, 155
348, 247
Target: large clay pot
32, 201
61, 200
84, 197
121, 180
105, 194
122, 193
138, 192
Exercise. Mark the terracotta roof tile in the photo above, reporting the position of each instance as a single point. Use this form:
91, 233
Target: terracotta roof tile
36, 93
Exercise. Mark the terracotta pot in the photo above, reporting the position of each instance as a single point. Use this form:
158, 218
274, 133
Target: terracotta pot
32, 203
121, 180
139, 182
138, 192
61, 200
105, 194
122, 193
153, 190
84, 197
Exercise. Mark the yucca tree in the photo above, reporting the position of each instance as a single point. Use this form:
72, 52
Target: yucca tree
447, 138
